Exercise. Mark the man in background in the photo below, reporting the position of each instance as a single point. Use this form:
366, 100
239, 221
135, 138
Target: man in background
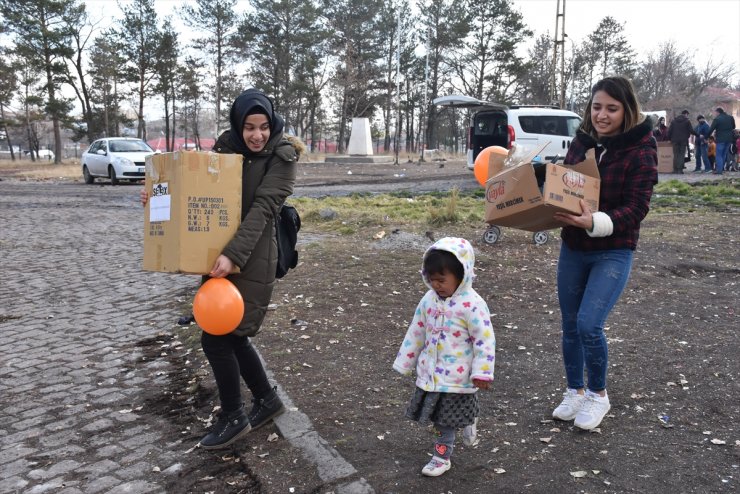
678, 133
701, 146
724, 127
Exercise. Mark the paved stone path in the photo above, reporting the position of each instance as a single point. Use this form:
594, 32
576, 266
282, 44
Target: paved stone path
73, 303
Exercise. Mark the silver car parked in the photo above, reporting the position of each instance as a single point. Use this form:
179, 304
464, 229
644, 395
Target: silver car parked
115, 158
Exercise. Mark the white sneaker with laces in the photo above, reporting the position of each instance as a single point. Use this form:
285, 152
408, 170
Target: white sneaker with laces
436, 467
470, 434
569, 407
592, 411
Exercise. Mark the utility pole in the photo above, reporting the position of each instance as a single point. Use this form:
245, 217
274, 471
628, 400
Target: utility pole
559, 43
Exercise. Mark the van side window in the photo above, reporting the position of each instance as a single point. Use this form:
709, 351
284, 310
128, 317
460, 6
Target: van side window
530, 125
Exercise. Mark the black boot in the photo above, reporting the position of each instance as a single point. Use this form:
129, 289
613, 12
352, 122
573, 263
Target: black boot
265, 409
228, 428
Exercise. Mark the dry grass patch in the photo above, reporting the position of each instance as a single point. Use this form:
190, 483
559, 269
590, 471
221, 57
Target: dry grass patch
41, 170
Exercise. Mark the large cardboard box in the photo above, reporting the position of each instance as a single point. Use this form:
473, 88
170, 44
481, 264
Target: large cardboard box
665, 157
193, 211
514, 199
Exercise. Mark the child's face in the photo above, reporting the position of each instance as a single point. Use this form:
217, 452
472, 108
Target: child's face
444, 283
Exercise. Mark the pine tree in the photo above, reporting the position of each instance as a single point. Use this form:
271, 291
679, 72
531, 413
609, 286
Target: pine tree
215, 18
167, 73
42, 40
355, 26
139, 39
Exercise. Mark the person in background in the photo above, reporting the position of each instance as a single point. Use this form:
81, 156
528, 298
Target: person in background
678, 133
598, 246
723, 127
732, 157
268, 178
712, 152
701, 131
661, 130
451, 346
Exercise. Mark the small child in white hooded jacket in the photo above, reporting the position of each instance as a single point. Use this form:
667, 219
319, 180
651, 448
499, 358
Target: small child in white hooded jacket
451, 345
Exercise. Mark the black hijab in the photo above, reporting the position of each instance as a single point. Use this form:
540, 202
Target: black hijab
250, 102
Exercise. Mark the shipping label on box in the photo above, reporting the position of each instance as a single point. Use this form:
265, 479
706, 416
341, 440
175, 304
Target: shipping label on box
193, 211
665, 157
513, 197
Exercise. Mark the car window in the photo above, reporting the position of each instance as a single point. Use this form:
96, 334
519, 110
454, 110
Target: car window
129, 147
490, 124
555, 125
95, 146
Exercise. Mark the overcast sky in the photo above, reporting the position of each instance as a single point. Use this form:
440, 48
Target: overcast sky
705, 28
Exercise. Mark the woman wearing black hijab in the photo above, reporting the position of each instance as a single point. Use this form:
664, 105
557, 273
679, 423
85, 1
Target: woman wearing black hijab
268, 177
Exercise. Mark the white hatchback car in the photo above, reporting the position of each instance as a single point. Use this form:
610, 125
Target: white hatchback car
116, 158
531, 127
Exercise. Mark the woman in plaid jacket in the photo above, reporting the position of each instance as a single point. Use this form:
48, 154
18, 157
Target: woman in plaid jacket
597, 247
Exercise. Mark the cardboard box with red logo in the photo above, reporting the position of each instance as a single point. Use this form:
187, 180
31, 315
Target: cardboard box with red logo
514, 199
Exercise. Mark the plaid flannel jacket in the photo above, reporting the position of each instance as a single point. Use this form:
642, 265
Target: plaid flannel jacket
628, 164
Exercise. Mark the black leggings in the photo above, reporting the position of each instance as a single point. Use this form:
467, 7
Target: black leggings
230, 357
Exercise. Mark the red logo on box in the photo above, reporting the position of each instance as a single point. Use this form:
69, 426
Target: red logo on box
495, 190
574, 180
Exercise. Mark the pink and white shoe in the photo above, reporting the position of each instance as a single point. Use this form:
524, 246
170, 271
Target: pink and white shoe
436, 467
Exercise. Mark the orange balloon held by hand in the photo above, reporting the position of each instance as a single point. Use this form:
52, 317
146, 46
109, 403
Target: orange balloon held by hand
480, 167
218, 306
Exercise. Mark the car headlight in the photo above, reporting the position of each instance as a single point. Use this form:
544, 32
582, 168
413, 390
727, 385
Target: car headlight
121, 161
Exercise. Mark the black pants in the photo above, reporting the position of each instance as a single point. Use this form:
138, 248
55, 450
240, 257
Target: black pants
233, 358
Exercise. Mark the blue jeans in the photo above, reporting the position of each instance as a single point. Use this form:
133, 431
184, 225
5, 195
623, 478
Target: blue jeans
589, 284
701, 155
722, 150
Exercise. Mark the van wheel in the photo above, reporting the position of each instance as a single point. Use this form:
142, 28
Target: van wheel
112, 175
492, 235
540, 238
89, 179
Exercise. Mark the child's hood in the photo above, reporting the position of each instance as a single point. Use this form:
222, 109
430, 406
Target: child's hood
463, 250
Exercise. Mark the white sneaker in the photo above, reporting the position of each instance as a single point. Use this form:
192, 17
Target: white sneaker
436, 467
592, 411
470, 434
569, 407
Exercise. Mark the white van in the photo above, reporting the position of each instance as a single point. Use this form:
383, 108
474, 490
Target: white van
494, 124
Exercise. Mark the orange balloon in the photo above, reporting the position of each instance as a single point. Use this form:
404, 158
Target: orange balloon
218, 306
480, 167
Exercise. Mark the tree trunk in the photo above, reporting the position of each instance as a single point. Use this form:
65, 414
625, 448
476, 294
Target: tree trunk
167, 123
54, 117
140, 130
28, 133
174, 119
312, 127
7, 134
115, 99
342, 124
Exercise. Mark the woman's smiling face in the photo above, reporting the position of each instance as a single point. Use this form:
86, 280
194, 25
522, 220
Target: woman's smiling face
256, 131
607, 114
